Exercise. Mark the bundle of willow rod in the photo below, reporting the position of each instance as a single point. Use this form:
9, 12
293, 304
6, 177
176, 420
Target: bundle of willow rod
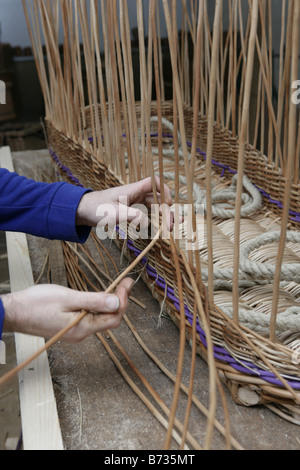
85, 271
221, 138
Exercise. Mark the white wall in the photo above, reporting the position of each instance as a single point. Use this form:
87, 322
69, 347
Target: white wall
14, 28
276, 18
13, 24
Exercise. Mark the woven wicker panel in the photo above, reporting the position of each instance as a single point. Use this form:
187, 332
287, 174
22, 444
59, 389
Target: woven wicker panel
244, 357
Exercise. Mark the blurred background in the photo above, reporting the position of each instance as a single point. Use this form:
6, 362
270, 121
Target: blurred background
24, 103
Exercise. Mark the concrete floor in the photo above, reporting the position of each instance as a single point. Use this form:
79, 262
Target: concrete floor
99, 410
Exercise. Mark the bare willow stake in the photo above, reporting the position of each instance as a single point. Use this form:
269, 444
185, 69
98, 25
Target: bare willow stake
289, 171
93, 272
185, 389
211, 362
134, 387
181, 347
241, 162
192, 441
210, 137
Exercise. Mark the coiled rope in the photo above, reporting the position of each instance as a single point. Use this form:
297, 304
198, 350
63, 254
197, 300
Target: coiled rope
251, 272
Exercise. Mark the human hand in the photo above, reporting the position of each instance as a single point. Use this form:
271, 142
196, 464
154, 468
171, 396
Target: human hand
123, 204
44, 310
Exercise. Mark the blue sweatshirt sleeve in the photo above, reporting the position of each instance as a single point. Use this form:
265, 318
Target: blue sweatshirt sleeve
1, 318
45, 210
40, 209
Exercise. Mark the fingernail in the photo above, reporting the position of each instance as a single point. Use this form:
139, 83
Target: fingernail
112, 302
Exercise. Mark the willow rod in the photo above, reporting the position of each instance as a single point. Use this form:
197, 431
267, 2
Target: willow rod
178, 96
269, 100
127, 64
184, 388
114, 49
192, 441
187, 390
74, 91
210, 355
77, 320
181, 345
284, 65
57, 79
195, 129
289, 172
147, 104
90, 73
134, 387
175, 124
241, 156
210, 137
99, 80
197, 87
143, 82
235, 70
158, 97
179, 107
98, 269
192, 376
107, 143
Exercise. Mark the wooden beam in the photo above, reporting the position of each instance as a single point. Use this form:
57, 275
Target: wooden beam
40, 423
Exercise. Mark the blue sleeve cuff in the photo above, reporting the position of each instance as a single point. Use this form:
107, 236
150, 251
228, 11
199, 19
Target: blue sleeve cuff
1, 318
62, 214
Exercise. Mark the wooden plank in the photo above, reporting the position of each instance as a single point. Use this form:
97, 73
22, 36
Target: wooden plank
40, 423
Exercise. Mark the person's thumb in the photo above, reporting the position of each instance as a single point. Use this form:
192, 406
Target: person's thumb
102, 302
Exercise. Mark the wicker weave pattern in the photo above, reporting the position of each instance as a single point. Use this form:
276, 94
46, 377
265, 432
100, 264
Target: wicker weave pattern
238, 360
263, 175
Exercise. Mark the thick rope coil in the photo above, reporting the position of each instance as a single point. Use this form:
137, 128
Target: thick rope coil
289, 320
251, 202
226, 274
251, 272
255, 271
170, 126
289, 272
197, 191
